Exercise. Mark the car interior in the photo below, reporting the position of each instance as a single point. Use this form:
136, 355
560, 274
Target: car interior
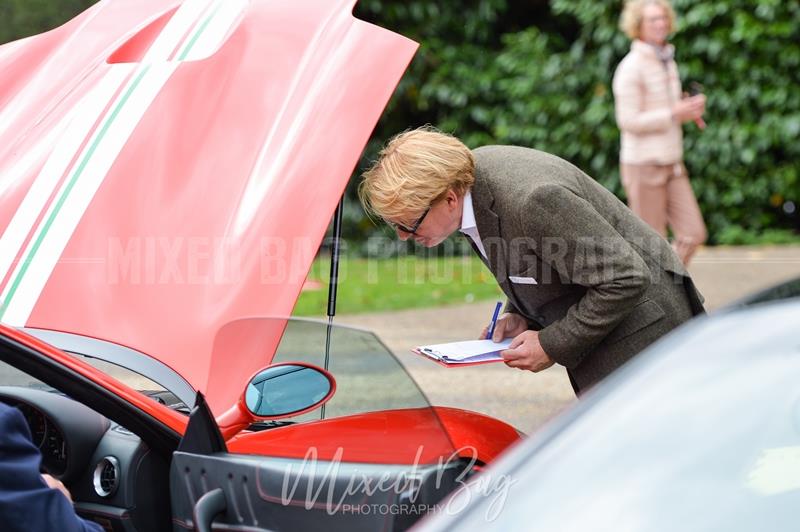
128, 472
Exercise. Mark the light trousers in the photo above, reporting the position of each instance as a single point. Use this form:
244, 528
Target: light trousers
662, 196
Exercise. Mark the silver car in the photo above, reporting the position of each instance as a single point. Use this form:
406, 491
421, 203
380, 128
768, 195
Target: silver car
699, 432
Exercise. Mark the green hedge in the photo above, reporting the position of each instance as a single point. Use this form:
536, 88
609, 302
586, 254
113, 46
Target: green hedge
538, 73
492, 73
21, 18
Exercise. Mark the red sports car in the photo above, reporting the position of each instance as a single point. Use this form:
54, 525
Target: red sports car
167, 172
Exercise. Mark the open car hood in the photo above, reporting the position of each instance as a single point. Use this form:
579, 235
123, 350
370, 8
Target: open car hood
168, 167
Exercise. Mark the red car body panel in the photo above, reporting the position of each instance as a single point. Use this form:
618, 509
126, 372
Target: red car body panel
169, 417
191, 188
168, 168
406, 437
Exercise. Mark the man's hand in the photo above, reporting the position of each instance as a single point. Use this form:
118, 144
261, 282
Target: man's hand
525, 352
508, 325
57, 485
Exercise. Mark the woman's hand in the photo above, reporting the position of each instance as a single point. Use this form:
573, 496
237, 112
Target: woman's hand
689, 109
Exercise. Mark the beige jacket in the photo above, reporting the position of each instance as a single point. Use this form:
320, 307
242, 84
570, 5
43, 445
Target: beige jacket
645, 89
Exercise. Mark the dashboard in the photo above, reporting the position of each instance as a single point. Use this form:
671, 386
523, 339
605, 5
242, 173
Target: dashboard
113, 477
47, 437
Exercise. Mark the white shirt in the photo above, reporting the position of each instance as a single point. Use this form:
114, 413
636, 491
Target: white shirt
468, 225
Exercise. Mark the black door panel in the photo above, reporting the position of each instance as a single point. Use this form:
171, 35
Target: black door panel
277, 494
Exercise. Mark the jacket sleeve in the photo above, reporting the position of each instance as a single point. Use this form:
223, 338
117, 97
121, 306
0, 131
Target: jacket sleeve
26, 502
598, 258
628, 104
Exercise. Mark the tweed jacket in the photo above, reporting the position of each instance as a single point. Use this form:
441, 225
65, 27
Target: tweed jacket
572, 259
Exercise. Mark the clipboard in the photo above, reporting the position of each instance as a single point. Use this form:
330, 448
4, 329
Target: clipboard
467, 353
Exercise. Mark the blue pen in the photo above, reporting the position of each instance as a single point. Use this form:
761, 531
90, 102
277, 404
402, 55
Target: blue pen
494, 320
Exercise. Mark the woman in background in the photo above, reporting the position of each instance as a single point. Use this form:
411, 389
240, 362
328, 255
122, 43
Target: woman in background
650, 110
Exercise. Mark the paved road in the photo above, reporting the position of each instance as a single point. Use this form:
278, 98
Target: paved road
524, 399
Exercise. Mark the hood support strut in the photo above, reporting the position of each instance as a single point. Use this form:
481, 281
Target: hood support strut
337, 238
334, 281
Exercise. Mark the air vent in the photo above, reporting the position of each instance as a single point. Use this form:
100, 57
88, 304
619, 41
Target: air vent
106, 476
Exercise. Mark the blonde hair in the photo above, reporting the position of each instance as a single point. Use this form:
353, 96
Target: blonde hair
631, 20
416, 168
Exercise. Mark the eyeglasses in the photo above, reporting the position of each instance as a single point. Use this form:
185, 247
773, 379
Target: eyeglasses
413, 229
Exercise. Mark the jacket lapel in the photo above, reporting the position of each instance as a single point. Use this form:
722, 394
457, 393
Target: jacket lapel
489, 230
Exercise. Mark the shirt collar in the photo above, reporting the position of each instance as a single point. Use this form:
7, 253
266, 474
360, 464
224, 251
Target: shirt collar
468, 214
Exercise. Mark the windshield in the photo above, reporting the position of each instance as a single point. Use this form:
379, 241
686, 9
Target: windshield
132, 368
368, 376
11, 376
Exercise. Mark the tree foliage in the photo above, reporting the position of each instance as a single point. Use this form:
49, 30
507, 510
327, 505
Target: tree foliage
21, 18
538, 73
491, 73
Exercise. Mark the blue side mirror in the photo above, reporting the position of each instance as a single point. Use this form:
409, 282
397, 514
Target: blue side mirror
288, 389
